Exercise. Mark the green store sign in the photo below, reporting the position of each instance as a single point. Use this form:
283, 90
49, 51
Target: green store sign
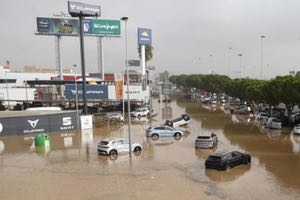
102, 27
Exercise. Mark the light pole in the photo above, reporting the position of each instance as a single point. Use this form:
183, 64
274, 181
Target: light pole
240, 55
211, 71
229, 54
76, 97
262, 56
125, 19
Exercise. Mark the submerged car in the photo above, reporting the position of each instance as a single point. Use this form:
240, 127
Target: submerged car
140, 112
206, 141
183, 120
164, 131
116, 146
273, 123
224, 160
296, 129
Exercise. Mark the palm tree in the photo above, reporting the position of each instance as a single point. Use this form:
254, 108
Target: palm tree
148, 52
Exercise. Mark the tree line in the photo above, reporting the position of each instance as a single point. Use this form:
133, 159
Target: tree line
285, 89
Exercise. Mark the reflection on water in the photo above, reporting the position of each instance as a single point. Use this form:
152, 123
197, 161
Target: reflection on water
295, 139
228, 175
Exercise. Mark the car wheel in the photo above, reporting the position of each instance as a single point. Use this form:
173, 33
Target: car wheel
177, 136
139, 116
245, 161
113, 152
136, 149
226, 166
155, 136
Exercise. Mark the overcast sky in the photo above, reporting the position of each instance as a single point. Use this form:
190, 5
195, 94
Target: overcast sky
191, 36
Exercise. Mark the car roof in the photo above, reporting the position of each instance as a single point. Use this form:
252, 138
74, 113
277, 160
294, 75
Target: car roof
113, 139
221, 153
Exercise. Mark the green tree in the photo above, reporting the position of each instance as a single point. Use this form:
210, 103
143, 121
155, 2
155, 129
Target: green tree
148, 52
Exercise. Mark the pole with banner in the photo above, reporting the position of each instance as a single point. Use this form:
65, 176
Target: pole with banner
81, 10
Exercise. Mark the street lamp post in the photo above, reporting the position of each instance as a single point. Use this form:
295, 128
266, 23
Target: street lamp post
262, 56
125, 19
240, 55
76, 97
229, 54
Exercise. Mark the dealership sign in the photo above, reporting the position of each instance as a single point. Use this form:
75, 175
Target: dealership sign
81, 9
33, 124
57, 26
92, 92
102, 27
144, 36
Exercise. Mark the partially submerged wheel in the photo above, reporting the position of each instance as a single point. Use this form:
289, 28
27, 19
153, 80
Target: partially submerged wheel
177, 136
155, 136
137, 149
113, 152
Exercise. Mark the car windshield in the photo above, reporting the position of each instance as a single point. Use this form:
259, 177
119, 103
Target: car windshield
203, 137
104, 142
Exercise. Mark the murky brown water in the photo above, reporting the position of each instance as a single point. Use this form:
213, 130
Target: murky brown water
166, 169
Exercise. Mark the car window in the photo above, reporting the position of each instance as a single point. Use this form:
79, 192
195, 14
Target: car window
125, 142
160, 128
228, 156
168, 128
118, 142
235, 154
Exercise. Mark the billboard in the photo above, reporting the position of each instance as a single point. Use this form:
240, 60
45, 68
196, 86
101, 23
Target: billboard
81, 9
57, 26
70, 27
144, 36
92, 92
102, 27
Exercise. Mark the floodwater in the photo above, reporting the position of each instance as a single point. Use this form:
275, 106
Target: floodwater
166, 169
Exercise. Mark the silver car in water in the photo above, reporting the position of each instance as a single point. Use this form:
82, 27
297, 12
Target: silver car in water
164, 131
206, 141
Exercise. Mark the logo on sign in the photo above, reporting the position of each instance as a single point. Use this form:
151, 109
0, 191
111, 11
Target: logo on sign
145, 34
67, 121
34, 123
1, 128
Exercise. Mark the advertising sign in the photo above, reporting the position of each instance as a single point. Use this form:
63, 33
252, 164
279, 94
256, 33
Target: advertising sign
80, 9
119, 85
38, 123
102, 27
86, 122
134, 63
57, 26
144, 36
92, 91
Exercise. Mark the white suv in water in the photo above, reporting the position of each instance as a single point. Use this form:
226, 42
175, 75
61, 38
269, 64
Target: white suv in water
116, 146
140, 112
206, 141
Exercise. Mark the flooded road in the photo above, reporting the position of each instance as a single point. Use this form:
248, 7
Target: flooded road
166, 169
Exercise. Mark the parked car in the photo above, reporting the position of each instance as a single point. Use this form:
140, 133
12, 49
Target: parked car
206, 141
296, 129
113, 118
273, 123
223, 160
140, 112
183, 120
116, 146
164, 131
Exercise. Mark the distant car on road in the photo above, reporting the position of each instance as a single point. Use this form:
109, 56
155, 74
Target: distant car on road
116, 146
273, 123
296, 129
164, 131
224, 160
206, 141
